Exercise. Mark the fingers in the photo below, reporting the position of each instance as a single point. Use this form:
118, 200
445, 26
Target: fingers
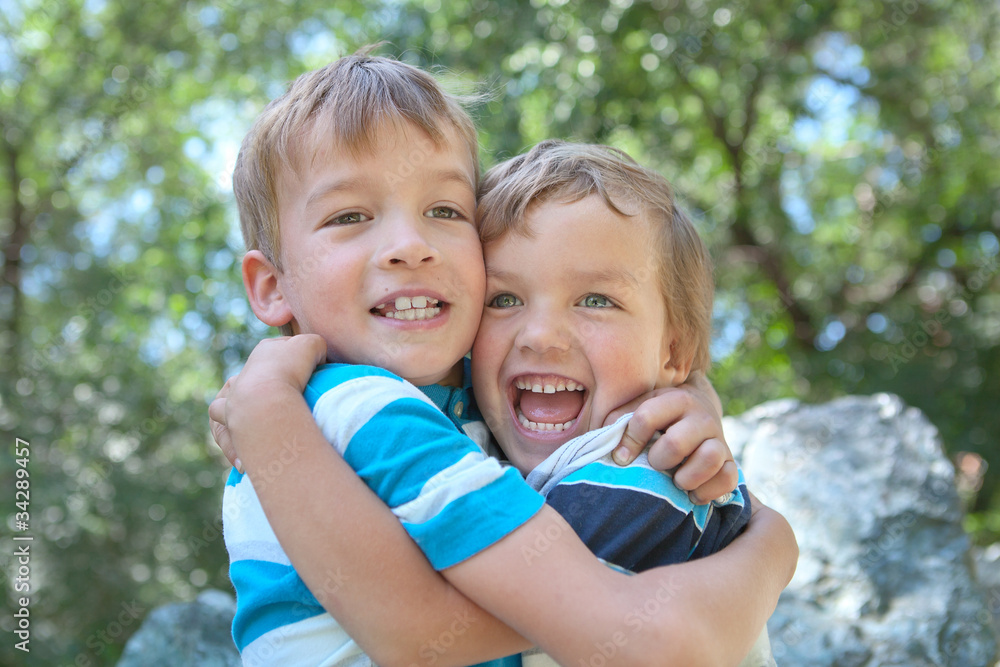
653, 413
720, 485
286, 359
217, 409
628, 448
683, 438
311, 347
220, 431
704, 464
631, 406
316, 345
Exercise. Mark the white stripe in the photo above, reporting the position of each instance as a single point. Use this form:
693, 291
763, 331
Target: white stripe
317, 640
343, 410
538, 660
245, 528
270, 552
470, 473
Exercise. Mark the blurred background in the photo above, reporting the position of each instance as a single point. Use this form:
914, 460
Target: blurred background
842, 158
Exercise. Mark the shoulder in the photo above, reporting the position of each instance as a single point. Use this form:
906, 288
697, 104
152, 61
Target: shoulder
353, 378
344, 398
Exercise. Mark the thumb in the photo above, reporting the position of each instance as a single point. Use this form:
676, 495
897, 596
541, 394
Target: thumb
628, 448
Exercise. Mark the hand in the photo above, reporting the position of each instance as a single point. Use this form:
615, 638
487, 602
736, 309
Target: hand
285, 362
690, 417
220, 429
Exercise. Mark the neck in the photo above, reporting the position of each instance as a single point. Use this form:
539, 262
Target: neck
454, 377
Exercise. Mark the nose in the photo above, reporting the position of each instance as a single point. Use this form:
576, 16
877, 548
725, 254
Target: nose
544, 329
406, 243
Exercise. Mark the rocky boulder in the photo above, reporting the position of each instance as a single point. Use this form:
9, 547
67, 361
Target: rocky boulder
884, 574
184, 634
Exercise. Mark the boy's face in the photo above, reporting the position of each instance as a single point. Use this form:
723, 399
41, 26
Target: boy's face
574, 326
381, 255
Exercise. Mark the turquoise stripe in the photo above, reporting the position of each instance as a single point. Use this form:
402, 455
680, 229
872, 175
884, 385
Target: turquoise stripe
476, 520
509, 661
269, 596
633, 477
235, 477
403, 446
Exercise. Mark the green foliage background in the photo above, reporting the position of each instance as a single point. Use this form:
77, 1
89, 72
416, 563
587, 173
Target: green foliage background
843, 159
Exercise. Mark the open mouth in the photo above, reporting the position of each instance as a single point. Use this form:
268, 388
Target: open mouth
409, 308
546, 403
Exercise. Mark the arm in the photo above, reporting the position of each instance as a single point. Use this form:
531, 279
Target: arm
665, 616
736, 589
359, 562
693, 442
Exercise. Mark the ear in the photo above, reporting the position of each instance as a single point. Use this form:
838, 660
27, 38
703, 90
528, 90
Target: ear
673, 369
261, 280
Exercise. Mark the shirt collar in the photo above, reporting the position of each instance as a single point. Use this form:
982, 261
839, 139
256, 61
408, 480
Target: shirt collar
458, 403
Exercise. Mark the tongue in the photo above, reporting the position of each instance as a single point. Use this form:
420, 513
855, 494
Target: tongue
556, 408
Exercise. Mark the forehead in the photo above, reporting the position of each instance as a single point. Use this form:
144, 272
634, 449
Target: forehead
322, 142
400, 158
620, 216
574, 234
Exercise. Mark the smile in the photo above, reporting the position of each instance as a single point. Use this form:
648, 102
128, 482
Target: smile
547, 402
409, 308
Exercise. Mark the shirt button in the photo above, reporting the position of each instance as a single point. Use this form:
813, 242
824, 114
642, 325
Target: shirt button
458, 408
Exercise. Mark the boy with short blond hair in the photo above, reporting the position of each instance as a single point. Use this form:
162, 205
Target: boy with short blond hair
599, 289
364, 244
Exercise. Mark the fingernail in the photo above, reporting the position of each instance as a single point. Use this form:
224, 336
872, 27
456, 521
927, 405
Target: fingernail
621, 455
239, 466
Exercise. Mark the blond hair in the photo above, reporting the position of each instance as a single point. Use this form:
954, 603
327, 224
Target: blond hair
347, 104
568, 172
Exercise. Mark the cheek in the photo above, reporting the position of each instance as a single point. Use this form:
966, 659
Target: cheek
470, 254
624, 367
488, 350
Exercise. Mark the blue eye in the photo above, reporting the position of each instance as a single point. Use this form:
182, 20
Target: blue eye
348, 219
596, 301
504, 301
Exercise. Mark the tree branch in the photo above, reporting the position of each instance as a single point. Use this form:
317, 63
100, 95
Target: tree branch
740, 228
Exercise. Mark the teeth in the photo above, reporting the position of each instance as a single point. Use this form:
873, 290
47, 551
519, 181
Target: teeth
411, 308
414, 314
548, 388
406, 303
534, 426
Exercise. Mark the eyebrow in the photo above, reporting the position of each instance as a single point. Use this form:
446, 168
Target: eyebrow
348, 184
453, 176
326, 189
615, 276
